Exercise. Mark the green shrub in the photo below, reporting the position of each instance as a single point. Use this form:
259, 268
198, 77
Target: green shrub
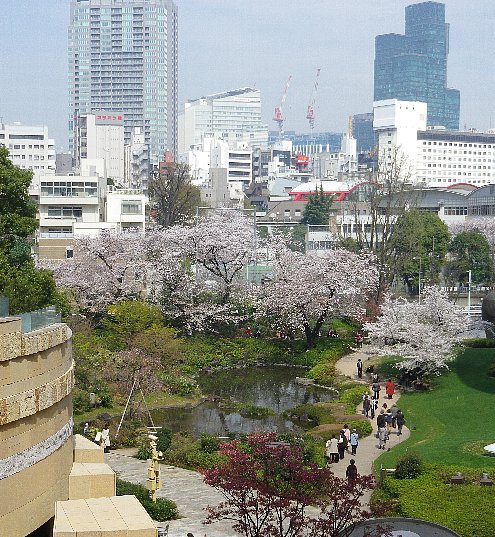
80, 401
164, 439
363, 427
323, 373
196, 458
209, 443
143, 453
179, 385
162, 510
481, 343
351, 397
317, 414
408, 467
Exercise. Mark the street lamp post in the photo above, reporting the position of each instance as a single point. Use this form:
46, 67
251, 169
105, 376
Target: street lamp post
469, 293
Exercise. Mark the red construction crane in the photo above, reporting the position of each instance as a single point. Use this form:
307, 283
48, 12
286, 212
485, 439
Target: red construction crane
278, 116
310, 115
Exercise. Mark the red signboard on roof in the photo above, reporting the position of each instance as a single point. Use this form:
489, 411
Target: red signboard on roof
302, 159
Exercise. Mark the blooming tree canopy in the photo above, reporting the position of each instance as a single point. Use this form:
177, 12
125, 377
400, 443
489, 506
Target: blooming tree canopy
424, 335
307, 289
219, 245
105, 268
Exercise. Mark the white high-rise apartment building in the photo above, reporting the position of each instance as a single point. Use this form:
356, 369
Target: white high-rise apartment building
123, 59
233, 116
101, 138
29, 147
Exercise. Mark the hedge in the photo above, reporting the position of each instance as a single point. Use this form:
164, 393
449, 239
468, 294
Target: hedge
162, 510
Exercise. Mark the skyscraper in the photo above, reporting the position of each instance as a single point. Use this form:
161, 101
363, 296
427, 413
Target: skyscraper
123, 59
413, 66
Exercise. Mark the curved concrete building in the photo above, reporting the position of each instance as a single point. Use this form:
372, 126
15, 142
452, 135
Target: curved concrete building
36, 442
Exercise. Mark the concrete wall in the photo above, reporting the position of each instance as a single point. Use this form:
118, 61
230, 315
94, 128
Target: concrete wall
36, 443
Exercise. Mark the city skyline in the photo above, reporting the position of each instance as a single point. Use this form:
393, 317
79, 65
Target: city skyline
221, 49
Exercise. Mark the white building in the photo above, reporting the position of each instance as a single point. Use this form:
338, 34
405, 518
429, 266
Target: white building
236, 158
77, 205
137, 161
29, 147
126, 208
396, 124
234, 116
100, 142
445, 158
437, 157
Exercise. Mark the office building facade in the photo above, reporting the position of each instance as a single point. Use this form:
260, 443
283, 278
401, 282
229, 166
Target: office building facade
413, 66
123, 59
29, 147
233, 116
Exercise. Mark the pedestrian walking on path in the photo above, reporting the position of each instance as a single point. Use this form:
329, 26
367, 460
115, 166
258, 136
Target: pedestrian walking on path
354, 441
389, 389
359, 366
400, 422
341, 445
334, 450
382, 437
376, 389
351, 473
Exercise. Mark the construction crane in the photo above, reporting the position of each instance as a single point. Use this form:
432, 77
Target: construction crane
310, 115
278, 116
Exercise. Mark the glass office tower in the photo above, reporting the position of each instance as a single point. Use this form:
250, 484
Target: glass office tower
123, 58
413, 66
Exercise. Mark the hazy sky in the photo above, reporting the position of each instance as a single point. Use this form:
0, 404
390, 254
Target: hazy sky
227, 44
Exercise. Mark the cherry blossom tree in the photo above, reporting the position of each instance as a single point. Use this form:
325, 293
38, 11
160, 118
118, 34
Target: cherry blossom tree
190, 299
308, 289
105, 269
423, 334
219, 246
268, 488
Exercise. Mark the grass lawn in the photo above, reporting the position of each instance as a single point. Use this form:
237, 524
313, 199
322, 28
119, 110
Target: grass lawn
450, 424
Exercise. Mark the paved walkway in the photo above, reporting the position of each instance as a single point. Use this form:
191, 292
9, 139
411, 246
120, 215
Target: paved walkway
187, 489
367, 450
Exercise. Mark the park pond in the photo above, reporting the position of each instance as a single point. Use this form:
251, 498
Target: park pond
244, 401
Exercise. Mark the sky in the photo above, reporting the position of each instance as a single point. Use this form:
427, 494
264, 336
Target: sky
227, 44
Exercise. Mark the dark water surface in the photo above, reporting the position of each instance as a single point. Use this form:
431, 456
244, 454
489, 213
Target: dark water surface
268, 387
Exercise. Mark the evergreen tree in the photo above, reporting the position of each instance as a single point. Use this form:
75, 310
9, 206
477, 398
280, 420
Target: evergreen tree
27, 287
317, 210
470, 251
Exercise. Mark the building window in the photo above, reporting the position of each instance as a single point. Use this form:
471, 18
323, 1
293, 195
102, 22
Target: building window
131, 207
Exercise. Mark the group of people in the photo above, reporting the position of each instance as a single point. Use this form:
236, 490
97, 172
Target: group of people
336, 447
387, 418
